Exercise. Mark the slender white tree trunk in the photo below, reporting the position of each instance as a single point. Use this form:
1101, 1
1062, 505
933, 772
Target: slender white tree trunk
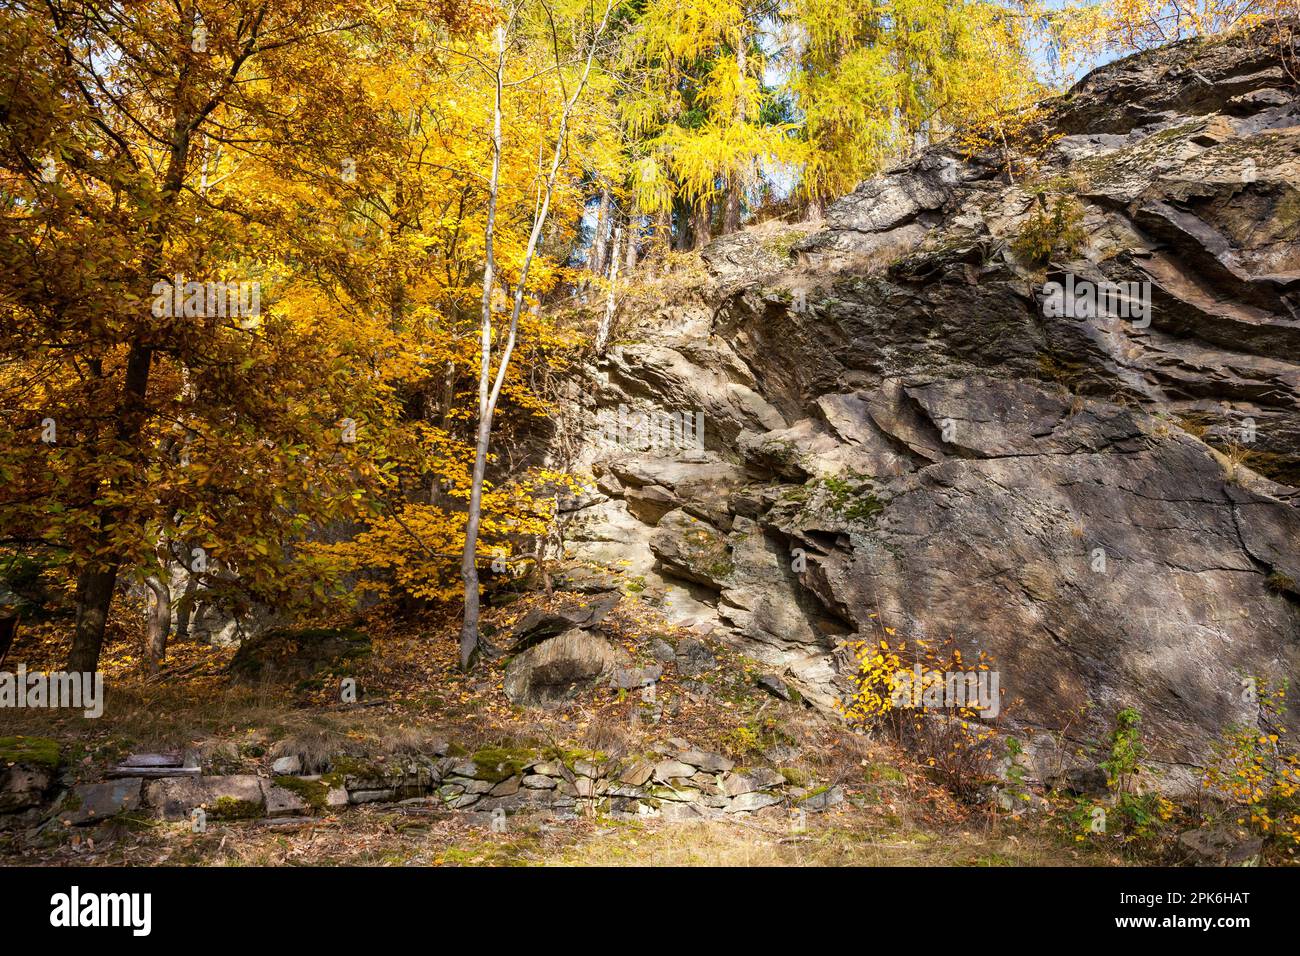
607, 320
469, 636
468, 569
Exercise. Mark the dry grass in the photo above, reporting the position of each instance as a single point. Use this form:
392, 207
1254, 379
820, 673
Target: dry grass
843, 839
894, 814
371, 836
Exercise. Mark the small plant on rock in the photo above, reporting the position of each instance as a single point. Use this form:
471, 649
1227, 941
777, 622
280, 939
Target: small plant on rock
1134, 813
1050, 231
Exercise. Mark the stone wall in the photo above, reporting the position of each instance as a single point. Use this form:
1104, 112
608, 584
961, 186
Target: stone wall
673, 782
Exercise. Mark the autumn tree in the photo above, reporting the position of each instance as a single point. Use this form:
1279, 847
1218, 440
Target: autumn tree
139, 144
700, 117
873, 80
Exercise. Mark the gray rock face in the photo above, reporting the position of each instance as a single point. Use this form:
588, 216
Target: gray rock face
901, 432
94, 803
23, 787
549, 672
692, 549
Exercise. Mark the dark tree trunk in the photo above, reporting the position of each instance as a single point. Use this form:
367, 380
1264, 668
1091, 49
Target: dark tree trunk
731, 216
735, 183
98, 578
8, 632
682, 237
702, 225
94, 596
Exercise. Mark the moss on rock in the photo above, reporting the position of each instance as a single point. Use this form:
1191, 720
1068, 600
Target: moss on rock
312, 792
495, 764
32, 751
230, 808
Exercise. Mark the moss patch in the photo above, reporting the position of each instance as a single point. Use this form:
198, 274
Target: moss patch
569, 756
495, 764
229, 808
32, 751
795, 777
344, 766
852, 498
311, 791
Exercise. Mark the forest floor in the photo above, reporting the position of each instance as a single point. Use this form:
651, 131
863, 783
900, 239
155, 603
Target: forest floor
894, 812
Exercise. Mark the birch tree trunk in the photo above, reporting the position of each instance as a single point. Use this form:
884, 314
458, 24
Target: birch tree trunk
470, 640
468, 569
607, 320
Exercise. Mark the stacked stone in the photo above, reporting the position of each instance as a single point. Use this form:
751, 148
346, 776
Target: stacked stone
675, 782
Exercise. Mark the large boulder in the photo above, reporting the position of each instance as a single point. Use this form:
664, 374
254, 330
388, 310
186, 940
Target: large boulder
558, 668
568, 611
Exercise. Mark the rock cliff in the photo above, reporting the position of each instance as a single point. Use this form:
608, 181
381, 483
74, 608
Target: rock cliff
902, 427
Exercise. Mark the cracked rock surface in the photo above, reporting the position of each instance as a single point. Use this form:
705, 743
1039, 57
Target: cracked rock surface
896, 431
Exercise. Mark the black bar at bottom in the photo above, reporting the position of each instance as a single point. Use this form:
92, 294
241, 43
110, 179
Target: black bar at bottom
333, 906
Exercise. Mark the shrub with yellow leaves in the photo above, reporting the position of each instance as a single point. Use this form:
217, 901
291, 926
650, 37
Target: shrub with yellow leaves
954, 742
1256, 773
